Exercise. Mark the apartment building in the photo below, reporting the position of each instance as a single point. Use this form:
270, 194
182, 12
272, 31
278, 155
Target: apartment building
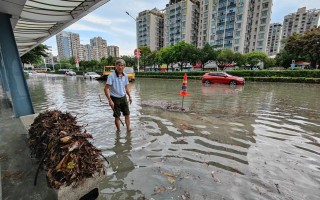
150, 29
274, 39
95, 53
87, 52
99, 46
300, 22
241, 25
64, 45
68, 45
181, 18
75, 43
113, 51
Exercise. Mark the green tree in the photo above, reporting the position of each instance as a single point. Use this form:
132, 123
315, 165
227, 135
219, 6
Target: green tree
152, 58
254, 58
206, 55
269, 62
184, 53
145, 52
111, 60
305, 47
65, 63
34, 56
165, 55
239, 59
84, 65
93, 64
225, 56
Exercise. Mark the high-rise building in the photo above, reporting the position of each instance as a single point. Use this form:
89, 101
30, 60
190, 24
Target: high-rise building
81, 52
150, 29
64, 45
274, 39
241, 25
87, 52
68, 45
49, 58
113, 51
99, 48
75, 45
181, 22
300, 22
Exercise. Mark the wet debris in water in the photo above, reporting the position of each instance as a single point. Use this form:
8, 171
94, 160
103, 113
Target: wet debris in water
186, 196
165, 105
63, 151
277, 186
3, 157
162, 188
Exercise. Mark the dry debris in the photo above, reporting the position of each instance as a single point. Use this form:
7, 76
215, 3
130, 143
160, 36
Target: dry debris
64, 152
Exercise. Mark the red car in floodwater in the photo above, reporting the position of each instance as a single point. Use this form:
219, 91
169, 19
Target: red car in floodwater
222, 78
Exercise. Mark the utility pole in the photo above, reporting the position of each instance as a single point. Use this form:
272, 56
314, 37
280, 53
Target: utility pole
137, 39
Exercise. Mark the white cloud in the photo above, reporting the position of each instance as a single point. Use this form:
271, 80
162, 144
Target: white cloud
112, 23
282, 8
83, 27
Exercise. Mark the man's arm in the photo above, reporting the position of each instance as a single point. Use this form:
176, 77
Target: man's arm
128, 93
107, 93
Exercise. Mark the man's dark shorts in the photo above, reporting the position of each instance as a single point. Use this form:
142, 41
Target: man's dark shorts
120, 105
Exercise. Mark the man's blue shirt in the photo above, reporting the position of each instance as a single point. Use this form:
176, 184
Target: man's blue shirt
117, 84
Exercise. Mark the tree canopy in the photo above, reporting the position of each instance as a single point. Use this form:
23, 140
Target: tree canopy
35, 55
305, 47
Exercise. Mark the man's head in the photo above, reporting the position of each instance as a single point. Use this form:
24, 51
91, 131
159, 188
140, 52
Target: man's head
120, 61
120, 65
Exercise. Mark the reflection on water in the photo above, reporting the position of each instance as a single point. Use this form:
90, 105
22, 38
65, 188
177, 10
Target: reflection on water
258, 141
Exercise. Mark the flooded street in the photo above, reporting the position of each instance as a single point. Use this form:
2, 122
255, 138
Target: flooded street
260, 141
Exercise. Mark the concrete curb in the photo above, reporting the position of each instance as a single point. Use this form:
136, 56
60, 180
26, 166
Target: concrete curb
68, 192
28, 120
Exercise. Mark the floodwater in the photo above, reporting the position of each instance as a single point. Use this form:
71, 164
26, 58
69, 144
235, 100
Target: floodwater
260, 141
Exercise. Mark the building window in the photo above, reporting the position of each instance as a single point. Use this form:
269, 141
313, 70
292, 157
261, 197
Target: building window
261, 35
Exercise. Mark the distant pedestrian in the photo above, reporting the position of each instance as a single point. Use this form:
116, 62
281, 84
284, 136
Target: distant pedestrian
116, 89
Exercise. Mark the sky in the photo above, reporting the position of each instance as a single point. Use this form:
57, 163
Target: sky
111, 22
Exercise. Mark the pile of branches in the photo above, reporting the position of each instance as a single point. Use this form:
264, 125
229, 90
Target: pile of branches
63, 151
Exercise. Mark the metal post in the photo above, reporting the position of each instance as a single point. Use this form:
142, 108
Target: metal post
18, 87
137, 38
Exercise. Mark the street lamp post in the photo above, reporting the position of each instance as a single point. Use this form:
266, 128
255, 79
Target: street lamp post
138, 58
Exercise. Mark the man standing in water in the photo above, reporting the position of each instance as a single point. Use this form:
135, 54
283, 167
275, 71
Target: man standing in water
115, 90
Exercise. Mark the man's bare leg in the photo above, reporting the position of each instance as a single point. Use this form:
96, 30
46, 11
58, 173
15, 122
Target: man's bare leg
117, 123
127, 120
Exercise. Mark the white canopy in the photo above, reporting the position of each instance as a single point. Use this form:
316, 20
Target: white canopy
34, 21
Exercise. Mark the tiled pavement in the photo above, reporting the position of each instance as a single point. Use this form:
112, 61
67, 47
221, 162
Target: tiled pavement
17, 169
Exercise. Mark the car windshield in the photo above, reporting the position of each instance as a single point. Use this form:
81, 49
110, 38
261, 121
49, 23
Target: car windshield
92, 73
128, 70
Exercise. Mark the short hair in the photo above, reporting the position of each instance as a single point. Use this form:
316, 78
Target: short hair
120, 61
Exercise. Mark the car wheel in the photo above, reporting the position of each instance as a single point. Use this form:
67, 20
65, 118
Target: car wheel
207, 82
233, 83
